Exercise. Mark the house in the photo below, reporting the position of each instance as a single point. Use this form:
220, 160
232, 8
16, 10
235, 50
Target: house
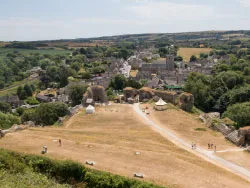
43, 98
13, 100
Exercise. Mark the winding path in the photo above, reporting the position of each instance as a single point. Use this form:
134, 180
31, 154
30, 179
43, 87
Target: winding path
205, 154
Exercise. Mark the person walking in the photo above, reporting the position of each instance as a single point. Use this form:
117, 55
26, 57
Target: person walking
60, 142
214, 148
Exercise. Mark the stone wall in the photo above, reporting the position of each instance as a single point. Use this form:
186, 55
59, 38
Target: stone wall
146, 93
129, 92
167, 96
186, 102
97, 93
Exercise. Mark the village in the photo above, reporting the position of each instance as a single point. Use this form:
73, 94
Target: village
162, 94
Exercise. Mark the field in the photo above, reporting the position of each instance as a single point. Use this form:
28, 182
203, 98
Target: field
186, 53
13, 87
111, 137
5, 51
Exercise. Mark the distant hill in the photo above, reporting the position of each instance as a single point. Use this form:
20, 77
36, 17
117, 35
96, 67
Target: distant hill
136, 38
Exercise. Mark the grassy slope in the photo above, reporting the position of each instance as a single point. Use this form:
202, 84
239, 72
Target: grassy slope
13, 88
19, 170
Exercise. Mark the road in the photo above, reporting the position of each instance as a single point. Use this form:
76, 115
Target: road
205, 154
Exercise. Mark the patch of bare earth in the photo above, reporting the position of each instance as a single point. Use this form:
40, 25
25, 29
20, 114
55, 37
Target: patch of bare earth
110, 137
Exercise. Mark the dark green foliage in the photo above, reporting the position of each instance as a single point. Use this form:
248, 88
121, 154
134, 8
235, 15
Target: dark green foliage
85, 75
118, 82
28, 90
240, 113
198, 85
28, 115
20, 111
193, 58
76, 92
46, 114
178, 58
134, 84
7, 120
66, 172
76, 66
24, 92
203, 55
5, 107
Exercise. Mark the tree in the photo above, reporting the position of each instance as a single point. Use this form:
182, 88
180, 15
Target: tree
240, 113
118, 82
82, 51
198, 85
44, 63
193, 58
85, 75
178, 58
2, 84
203, 55
28, 90
76, 92
246, 71
134, 84
46, 114
19, 91
76, 66
5, 107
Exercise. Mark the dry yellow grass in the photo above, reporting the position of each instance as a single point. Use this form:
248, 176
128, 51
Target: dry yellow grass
110, 137
133, 73
186, 53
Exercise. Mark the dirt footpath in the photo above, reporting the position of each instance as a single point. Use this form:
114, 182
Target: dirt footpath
111, 137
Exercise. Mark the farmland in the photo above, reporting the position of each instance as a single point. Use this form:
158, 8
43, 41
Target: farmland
5, 51
111, 137
186, 53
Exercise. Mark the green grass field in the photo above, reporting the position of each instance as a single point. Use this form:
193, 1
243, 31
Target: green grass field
13, 87
5, 51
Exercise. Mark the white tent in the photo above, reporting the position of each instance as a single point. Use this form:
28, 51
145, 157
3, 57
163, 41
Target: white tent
90, 109
160, 102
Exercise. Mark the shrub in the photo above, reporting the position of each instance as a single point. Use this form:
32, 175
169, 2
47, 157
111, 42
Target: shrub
240, 113
5, 107
32, 101
7, 120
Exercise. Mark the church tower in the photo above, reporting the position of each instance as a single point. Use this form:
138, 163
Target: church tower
169, 62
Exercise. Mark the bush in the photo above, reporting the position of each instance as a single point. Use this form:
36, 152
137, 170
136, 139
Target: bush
5, 107
240, 113
7, 120
32, 101
49, 113
46, 114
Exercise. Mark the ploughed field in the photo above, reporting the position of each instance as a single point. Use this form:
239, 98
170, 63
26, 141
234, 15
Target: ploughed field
111, 137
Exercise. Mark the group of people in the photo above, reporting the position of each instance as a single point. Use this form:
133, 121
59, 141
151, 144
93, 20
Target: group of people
211, 146
45, 148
